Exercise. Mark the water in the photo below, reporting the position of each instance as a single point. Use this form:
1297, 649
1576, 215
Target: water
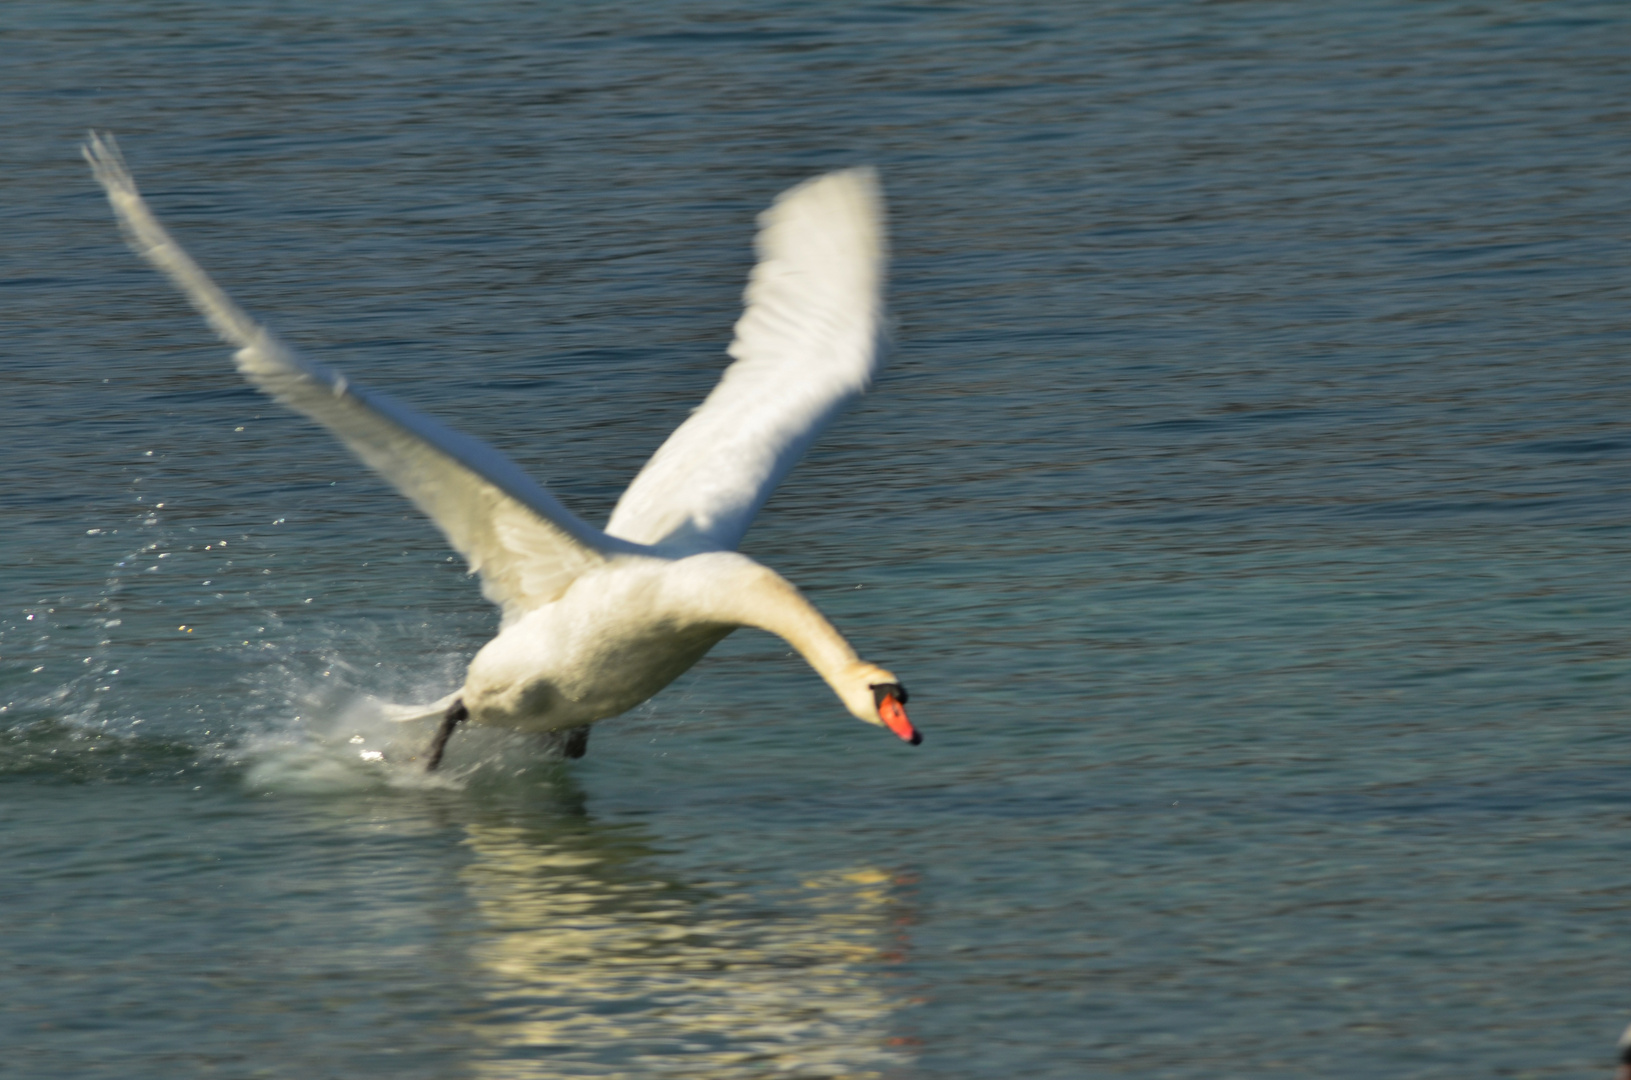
1245, 505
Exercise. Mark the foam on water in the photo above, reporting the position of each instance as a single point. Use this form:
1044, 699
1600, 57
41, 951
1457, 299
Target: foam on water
356, 746
360, 743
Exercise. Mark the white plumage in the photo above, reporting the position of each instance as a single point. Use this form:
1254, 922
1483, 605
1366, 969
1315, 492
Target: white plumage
807, 343
596, 622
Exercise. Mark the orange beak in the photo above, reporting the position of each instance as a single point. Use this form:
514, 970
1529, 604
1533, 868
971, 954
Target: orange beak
893, 715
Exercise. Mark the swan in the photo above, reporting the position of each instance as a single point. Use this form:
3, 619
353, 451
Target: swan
595, 622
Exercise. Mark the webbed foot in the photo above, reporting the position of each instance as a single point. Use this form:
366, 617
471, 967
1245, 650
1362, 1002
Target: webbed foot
575, 741
456, 715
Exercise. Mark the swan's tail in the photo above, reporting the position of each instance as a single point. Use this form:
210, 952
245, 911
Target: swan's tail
403, 714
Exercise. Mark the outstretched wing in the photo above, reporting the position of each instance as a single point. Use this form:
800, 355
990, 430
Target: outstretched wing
806, 345
526, 546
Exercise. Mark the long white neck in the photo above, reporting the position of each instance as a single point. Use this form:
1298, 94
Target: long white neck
764, 599
740, 591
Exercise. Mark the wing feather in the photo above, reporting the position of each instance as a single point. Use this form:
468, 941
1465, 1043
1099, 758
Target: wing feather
526, 546
807, 343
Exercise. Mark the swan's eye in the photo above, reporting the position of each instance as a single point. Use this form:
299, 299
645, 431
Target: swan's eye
888, 689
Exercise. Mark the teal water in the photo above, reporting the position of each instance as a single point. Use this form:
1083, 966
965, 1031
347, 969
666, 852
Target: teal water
1245, 504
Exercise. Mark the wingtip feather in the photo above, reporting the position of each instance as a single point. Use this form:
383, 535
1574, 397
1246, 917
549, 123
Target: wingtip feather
101, 152
848, 202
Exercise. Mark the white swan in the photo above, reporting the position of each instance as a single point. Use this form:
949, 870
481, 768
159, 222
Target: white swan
596, 622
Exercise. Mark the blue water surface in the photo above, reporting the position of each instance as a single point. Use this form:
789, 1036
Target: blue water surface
1245, 503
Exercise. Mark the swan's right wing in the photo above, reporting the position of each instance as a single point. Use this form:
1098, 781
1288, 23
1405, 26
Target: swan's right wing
807, 344
526, 546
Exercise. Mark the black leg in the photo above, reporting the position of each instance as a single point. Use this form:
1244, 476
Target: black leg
456, 715
576, 742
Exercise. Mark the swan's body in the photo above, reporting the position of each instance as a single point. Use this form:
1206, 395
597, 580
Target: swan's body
596, 622
623, 632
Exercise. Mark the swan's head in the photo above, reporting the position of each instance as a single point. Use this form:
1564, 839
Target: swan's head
876, 696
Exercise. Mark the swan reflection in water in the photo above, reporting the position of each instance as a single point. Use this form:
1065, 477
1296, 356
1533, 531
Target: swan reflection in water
596, 966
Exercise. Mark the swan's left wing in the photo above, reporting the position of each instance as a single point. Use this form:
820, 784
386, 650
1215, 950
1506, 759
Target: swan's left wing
807, 343
526, 546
